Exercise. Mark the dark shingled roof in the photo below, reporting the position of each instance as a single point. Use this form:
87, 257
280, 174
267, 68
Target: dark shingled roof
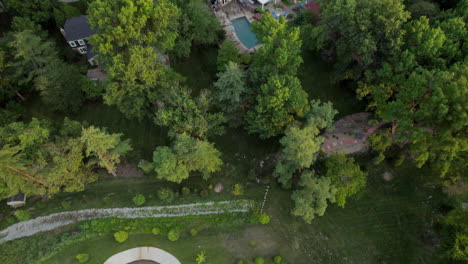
90, 53
77, 28
16, 198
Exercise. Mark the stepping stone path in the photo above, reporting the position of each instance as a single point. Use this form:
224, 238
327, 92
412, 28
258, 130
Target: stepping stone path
53, 221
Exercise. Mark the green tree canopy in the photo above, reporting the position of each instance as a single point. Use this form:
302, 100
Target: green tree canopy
60, 85
358, 34
428, 107
168, 167
314, 196
122, 24
230, 87
187, 154
198, 154
108, 148
301, 144
38, 11
32, 55
184, 114
228, 52
197, 24
281, 99
38, 158
280, 53
130, 39
345, 176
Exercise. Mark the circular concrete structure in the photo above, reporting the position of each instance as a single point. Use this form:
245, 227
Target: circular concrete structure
143, 255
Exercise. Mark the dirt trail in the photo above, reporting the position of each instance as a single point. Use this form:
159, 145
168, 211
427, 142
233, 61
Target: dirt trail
53, 221
350, 134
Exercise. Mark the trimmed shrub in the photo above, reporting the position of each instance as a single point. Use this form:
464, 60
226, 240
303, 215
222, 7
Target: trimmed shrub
22, 215
245, 58
238, 190
173, 235
252, 243
193, 232
201, 257
66, 204
145, 166
240, 261
82, 257
185, 191
204, 193
264, 219
156, 231
278, 260
166, 195
139, 199
121, 236
259, 260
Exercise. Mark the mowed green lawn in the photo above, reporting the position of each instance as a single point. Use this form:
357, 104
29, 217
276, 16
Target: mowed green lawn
383, 225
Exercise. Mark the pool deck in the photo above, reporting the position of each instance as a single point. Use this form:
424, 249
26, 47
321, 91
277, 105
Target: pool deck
234, 9
230, 12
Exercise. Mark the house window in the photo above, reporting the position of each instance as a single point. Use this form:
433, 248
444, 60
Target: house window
72, 44
81, 42
82, 50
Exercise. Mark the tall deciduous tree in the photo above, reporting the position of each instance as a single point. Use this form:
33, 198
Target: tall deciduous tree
122, 24
32, 55
184, 114
280, 53
61, 85
301, 144
281, 99
168, 166
314, 196
135, 78
228, 52
38, 11
197, 24
230, 87
198, 154
345, 176
427, 107
130, 37
37, 158
108, 148
358, 34
187, 155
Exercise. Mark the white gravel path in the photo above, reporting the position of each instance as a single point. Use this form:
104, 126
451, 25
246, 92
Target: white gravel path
53, 221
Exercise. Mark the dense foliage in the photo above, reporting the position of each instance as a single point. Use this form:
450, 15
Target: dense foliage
38, 158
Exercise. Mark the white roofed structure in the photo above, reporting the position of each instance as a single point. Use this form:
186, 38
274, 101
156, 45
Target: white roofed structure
263, 2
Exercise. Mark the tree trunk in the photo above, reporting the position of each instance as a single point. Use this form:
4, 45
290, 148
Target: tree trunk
26, 175
394, 127
20, 96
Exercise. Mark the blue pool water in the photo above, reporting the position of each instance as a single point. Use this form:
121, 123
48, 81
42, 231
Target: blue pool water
244, 32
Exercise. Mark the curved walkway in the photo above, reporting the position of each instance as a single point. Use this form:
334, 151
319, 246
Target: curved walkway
143, 253
53, 221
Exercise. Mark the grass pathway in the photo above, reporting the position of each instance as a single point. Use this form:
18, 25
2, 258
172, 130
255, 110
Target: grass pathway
53, 221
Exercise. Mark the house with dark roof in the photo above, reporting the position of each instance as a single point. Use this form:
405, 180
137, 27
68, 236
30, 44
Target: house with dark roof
76, 31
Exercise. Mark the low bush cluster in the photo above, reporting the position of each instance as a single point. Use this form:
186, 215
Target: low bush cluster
22, 215
121, 236
173, 235
82, 258
259, 260
139, 199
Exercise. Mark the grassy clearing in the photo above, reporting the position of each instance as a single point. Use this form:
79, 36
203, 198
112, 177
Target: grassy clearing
383, 225
186, 249
315, 76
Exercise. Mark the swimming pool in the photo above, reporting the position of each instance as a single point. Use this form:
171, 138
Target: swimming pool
244, 32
